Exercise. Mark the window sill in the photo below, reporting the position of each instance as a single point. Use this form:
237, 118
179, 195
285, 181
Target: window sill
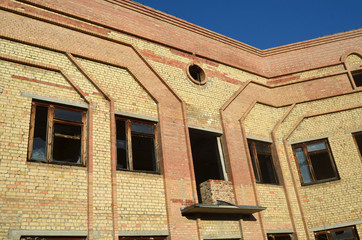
56, 163
273, 184
321, 181
138, 171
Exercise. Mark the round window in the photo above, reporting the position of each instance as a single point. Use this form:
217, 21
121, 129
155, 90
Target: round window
196, 74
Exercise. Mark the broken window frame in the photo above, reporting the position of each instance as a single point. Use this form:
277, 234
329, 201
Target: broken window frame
128, 141
359, 146
255, 161
329, 232
275, 236
50, 135
307, 154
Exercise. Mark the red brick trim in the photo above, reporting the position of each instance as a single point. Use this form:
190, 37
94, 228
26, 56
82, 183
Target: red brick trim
322, 40
350, 52
250, 167
42, 82
46, 67
286, 192
317, 114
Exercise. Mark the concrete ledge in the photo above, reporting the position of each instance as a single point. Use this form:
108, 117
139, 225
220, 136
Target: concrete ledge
353, 131
54, 100
259, 139
142, 233
339, 225
16, 234
206, 129
133, 115
310, 139
231, 236
275, 231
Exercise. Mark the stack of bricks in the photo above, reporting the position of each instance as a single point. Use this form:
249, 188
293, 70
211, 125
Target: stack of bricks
213, 190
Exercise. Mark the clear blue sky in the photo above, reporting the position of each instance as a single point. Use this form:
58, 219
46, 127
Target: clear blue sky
267, 23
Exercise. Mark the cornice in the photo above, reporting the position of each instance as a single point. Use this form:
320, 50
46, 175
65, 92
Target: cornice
161, 16
313, 42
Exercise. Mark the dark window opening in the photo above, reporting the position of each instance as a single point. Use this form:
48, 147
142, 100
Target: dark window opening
51, 238
357, 78
197, 74
143, 238
206, 157
315, 162
280, 236
262, 161
347, 233
136, 145
358, 140
56, 134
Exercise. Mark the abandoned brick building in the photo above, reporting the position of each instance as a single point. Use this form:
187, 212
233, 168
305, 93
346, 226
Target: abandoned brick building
118, 121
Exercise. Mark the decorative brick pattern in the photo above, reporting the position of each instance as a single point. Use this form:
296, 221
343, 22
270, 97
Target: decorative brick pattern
75, 51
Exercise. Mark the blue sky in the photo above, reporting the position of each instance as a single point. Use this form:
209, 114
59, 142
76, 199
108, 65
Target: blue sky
267, 23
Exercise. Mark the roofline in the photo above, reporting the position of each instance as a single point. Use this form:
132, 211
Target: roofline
158, 15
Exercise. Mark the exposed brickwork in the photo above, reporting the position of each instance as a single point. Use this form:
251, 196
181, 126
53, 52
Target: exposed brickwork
75, 51
213, 190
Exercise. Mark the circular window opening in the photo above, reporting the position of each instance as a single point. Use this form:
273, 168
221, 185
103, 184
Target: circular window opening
196, 74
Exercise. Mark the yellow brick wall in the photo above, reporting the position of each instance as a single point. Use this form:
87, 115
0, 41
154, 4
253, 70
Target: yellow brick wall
322, 201
141, 202
262, 119
55, 196
35, 195
276, 216
202, 102
219, 228
129, 96
321, 213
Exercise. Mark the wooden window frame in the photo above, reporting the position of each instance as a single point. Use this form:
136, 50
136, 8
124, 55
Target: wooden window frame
310, 167
255, 160
128, 139
355, 141
329, 232
50, 132
274, 235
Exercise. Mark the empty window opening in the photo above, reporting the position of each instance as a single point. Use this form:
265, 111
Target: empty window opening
315, 162
357, 78
143, 238
207, 157
51, 238
196, 74
280, 236
262, 161
56, 134
358, 140
347, 233
136, 145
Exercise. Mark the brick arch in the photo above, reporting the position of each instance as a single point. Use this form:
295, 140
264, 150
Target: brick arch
350, 52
